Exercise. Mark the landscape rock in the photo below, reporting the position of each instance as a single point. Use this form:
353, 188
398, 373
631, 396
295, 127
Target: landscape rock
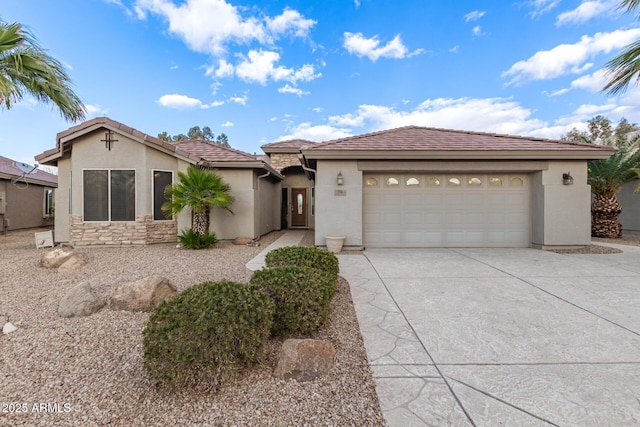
81, 300
56, 257
8, 328
75, 262
242, 240
304, 359
142, 295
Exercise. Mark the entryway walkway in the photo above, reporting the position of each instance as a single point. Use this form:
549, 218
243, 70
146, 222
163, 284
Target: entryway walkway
289, 238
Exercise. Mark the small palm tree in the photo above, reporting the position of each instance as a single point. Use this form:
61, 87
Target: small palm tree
26, 68
198, 189
606, 177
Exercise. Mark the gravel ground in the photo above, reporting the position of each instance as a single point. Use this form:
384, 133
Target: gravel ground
89, 371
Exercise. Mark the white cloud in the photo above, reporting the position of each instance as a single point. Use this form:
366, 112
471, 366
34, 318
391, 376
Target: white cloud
541, 7
227, 124
180, 102
455, 49
294, 90
586, 10
357, 3
290, 22
259, 66
317, 109
216, 104
242, 100
357, 44
314, 133
568, 58
477, 30
208, 26
94, 110
592, 82
348, 120
473, 16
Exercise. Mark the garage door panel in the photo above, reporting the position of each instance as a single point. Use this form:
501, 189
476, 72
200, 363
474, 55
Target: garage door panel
437, 214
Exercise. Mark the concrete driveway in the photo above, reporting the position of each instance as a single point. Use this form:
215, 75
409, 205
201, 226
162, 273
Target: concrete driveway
490, 337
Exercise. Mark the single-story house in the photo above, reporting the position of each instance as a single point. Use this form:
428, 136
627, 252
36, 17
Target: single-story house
112, 180
26, 195
406, 187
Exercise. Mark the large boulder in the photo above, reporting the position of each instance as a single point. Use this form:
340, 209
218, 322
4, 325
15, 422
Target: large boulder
142, 295
81, 300
304, 359
56, 257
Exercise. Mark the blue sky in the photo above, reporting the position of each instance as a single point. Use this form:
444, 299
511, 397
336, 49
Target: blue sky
267, 71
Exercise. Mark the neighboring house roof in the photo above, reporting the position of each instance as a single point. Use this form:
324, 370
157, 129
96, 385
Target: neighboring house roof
10, 170
414, 142
192, 151
290, 146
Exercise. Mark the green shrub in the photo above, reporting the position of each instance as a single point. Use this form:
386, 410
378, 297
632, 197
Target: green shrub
191, 239
206, 333
302, 297
303, 256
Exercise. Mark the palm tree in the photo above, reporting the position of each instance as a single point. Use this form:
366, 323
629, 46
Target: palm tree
25, 68
626, 66
199, 189
606, 177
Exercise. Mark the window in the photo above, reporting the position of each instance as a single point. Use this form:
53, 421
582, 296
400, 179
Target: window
161, 180
433, 181
109, 195
392, 182
48, 202
516, 182
495, 181
454, 182
372, 182
412, 181
474, 181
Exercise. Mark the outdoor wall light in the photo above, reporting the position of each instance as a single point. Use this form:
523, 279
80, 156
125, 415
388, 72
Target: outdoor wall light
340, 179
567, 179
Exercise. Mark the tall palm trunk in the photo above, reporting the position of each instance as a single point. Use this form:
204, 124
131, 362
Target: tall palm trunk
605, 210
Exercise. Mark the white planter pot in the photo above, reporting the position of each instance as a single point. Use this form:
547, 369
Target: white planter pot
334, 243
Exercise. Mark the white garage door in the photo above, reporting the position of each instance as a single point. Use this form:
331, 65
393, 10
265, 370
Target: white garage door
420, 210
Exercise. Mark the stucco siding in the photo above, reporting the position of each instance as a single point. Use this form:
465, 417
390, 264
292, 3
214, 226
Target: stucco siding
241, 223
267, 202
630, 201
339, 207
23, 205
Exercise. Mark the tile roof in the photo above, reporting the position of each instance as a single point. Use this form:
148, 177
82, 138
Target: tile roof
212, 152
415, 138
9, 167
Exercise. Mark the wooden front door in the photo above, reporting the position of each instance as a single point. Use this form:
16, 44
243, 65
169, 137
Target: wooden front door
298, 207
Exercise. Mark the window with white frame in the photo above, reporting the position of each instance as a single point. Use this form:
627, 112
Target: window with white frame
109, 195
161, 180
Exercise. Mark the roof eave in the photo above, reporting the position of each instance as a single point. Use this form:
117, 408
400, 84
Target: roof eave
457, 155
243, 165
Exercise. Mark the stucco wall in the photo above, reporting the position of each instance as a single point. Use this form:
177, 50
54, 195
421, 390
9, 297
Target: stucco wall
630, 201
562, 213
88, 152
267, 202
227, 225
22, 205
339, 207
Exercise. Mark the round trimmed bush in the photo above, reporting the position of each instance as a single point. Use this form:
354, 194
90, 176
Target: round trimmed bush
303, 256
206, 333
302, 297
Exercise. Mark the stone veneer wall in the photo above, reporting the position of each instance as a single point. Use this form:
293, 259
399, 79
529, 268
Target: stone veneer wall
141, 232
280, 161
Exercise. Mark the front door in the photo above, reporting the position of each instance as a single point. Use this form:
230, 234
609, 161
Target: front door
298, 207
